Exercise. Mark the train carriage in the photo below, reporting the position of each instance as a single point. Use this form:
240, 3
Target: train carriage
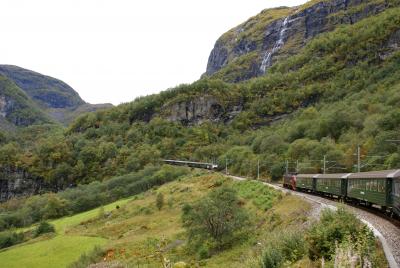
373, 187
306, 182
395, 193
332, 184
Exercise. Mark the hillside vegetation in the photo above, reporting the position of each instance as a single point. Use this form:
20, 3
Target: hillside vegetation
140, 231
339, 91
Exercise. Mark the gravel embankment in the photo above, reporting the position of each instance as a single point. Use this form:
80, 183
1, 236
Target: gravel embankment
384, 229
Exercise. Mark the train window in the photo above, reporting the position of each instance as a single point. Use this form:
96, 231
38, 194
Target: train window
396, 188
380, 186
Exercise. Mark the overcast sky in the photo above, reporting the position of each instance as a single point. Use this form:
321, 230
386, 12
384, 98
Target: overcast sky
115, 50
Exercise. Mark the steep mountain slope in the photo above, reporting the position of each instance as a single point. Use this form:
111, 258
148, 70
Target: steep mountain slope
16, 108
340, 90
44, 90
251, 48
53, 97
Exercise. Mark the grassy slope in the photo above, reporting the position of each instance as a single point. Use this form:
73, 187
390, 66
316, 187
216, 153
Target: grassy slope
133, 233
56, 252
60, 250
136, 229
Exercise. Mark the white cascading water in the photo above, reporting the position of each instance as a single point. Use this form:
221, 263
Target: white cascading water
268, 55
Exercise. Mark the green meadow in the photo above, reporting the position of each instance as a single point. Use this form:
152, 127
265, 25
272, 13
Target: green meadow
59, 250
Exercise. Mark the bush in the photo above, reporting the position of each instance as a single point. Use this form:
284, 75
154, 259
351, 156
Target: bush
44, 228
160, 201
285, 247
203, 252
336, 227
8, 239
86, 259
293, 246
217, 217
272, 257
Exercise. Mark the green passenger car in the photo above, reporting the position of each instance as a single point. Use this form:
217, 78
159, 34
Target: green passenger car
332, 184
374, 187
305, 181
395, 195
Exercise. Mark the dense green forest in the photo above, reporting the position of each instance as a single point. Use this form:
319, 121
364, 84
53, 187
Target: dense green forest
340, 91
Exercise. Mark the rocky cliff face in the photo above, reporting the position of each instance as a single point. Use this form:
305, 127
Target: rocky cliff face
17, 183
240, 50
200, 109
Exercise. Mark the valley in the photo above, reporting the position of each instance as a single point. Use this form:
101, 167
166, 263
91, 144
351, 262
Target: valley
311, 89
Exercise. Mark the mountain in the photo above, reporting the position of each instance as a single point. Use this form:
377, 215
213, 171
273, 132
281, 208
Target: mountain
339, 90
17, 108
251, 48
330, 89
48, 98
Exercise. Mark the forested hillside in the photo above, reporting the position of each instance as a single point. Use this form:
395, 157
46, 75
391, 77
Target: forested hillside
339, 90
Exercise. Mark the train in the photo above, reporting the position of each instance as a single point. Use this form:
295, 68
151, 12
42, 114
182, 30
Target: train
210, 166
375, 188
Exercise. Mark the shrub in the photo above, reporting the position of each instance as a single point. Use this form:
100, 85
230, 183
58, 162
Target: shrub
293, 246
203, 252
44, 228
272, 257
217, 217
8, 239
160, 201
86, 259
336, 227
285, 247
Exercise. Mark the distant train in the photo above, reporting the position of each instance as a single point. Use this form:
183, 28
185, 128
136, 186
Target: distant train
209, 166
375, 188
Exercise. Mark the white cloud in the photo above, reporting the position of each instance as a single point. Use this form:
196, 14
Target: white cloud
114, 51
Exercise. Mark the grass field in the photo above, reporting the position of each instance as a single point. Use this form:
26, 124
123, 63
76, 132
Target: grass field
55, 252
62, 224
60, 250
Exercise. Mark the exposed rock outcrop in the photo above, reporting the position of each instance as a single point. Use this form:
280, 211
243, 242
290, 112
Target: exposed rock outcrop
286, 35
200, 109
17, 183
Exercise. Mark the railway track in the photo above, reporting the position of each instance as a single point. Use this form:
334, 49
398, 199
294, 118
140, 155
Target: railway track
386, 229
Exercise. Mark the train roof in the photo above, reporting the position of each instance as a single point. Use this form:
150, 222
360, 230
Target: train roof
186, 162
334, 176
307, 175
382, 174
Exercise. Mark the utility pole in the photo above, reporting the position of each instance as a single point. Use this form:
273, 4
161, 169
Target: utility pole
287, 167
324, 164
258, 169
358, 159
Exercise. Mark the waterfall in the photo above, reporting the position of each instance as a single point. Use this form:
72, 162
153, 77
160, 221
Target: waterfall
278, 45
